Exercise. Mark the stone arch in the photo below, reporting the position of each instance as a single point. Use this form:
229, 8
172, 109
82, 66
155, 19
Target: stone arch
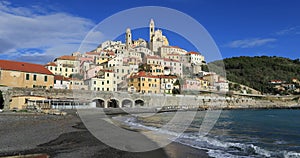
100, 102
139, 102
113, 103
127, 102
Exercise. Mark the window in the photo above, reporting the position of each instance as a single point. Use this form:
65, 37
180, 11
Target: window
107, 89
50, 67
143, 84
34, 77
102, 82
45, 78
55, 69
107, 74
54, 81
27, 76
149, 79
107, 81
94, 82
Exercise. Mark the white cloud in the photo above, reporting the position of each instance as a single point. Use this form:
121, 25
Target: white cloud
250, 43
288, 31
53, 33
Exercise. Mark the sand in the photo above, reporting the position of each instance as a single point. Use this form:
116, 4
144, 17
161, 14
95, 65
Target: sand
66, 136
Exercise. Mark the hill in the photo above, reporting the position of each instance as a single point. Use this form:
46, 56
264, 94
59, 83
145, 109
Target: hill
258, 71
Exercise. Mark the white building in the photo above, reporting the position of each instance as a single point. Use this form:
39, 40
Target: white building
61, 82
165, 50
103, 81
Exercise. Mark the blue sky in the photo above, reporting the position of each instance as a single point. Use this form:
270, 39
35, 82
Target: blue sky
38, 31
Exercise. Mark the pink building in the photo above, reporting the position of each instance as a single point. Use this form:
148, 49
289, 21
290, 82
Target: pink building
191, 84
92, 72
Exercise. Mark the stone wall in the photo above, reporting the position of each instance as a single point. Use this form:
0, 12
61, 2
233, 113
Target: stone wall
212, 101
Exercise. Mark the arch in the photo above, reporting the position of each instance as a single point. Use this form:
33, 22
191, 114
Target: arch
139, 102
100, 103
127, 103
113, 103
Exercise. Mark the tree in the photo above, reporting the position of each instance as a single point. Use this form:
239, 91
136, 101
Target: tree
78, 76
1, 100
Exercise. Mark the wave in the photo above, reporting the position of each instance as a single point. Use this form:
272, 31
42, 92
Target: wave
216, 148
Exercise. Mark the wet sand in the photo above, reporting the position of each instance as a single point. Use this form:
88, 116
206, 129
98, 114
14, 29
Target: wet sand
66, 136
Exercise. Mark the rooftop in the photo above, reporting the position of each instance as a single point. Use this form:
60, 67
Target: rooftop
23, 67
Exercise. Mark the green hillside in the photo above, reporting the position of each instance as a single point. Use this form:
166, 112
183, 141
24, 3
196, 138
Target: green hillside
256, 72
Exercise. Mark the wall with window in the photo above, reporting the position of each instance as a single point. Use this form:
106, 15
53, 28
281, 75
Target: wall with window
26, 79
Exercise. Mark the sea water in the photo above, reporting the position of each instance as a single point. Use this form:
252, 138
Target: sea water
237, 133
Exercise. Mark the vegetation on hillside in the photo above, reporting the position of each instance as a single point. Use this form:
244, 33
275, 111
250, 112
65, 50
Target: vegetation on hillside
258, 71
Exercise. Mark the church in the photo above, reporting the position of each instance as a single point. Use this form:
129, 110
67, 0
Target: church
156, 39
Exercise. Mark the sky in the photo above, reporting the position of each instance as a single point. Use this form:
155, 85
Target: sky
38, 31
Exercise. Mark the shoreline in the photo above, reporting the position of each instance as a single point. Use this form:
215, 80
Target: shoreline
66, 136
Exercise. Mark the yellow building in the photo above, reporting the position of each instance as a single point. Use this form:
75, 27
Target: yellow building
27, 75
64, 66
26, 102
156, 70
204, 84
143, 82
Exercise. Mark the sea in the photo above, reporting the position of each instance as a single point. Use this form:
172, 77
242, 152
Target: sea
235, 133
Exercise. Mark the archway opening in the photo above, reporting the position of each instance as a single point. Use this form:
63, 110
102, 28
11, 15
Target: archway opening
113, 103
127, 103
139, 102
100, 103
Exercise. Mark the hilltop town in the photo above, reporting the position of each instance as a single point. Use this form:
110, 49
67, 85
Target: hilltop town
140, 66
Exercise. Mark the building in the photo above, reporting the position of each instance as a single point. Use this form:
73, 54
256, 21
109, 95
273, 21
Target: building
167, 83
155, 60
77, 84
174, 65
191, 85
103, 81
222, 86
26, 75
61, 82
195, 58
156, 70
64, 65
156, 38
165, 50
143, 82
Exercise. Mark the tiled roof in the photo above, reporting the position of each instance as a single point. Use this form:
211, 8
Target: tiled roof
75, 79
193, 53
92, 53
167, 59
167, 76
61, 78
143, 74
67, 57
104, 70
153, 57
23, 67
50, 64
